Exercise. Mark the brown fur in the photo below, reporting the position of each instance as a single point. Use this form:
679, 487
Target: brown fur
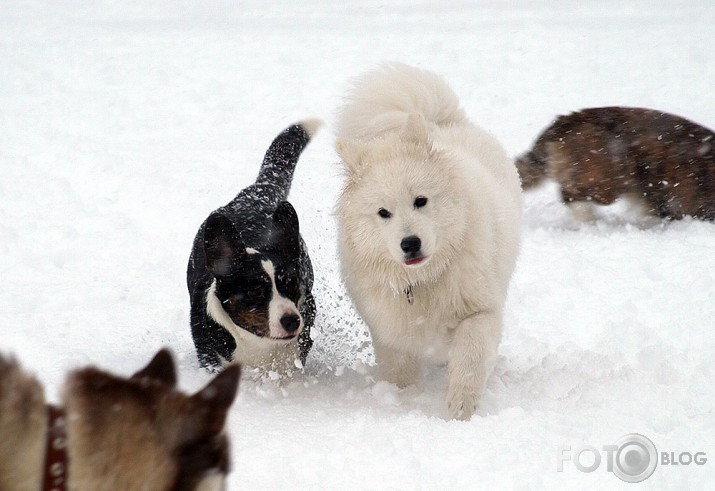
255, 320
123, 434
23, 424
601, 154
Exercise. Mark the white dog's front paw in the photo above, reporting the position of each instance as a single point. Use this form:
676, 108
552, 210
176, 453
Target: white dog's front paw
462, 402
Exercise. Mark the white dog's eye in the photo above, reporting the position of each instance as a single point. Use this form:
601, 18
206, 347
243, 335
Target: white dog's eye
384, 213
420, 201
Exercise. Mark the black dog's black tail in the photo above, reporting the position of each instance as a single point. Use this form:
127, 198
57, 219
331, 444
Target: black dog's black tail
282, 156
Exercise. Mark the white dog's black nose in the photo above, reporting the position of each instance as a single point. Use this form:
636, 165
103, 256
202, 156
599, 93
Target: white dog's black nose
290, 322
411, 244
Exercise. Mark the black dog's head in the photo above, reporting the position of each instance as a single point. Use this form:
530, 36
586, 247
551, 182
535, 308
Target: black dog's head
259, 289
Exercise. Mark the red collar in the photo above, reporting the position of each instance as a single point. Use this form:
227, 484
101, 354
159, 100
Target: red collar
55, 470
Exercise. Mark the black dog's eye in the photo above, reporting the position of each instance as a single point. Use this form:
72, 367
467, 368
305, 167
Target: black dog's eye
232, 300
384, 213
291, 283
256, 293
420, 201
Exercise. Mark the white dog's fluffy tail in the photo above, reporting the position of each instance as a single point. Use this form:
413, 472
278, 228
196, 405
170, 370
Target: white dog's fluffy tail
382, 99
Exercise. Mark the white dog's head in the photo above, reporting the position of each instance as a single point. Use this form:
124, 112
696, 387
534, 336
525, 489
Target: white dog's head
400, 209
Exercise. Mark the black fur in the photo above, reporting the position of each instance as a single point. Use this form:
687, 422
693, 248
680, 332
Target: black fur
259, 218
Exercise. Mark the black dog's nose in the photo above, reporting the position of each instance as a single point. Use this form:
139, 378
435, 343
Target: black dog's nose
290, 322
411, 244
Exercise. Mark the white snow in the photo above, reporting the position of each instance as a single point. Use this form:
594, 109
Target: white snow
123, 124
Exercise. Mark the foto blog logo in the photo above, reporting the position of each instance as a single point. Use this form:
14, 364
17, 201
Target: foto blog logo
632, 459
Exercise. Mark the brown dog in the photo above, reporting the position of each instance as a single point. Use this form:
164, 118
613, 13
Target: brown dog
121, 434
600, 154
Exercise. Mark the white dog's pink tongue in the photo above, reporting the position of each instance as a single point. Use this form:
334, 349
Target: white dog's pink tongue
414, 261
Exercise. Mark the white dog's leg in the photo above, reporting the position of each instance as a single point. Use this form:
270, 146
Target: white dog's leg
396, 366
473, 354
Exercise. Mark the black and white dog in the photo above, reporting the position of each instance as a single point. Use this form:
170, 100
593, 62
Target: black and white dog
249, 274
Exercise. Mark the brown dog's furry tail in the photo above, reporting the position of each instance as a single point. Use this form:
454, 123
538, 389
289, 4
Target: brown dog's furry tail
532, 170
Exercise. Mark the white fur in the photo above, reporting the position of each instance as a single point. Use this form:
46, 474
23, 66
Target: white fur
279, 306
311, 126
401, 134
213, 482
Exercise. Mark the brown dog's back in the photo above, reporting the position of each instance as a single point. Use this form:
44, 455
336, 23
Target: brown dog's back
600, 154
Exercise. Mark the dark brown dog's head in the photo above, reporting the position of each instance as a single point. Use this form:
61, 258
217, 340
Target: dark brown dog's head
142, 433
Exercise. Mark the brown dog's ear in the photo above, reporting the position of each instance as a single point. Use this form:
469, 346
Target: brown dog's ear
221, 391
206, 410
160, 369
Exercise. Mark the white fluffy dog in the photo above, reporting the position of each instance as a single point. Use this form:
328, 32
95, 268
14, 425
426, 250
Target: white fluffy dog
429, 227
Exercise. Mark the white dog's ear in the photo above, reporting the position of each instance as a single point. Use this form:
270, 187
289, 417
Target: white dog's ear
351, 152
416, 130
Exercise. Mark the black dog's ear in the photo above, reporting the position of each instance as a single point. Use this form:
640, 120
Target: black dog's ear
222, 245
285, 217
285, 233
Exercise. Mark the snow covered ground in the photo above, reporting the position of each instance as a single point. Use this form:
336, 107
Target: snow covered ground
123, 124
